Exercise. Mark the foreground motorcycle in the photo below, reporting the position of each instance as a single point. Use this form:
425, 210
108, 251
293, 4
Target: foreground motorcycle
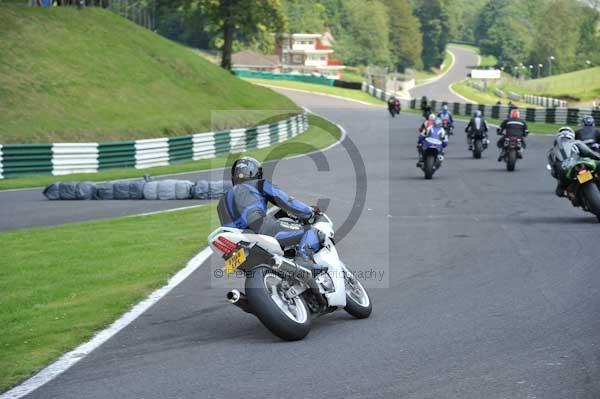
511, 151
432, 156
281, 293
584, 187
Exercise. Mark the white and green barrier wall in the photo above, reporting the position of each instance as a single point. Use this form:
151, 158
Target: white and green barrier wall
67, 158
558, 116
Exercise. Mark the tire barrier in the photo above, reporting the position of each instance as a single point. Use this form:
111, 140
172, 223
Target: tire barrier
138, 189
554, 115
67, 158
547, 102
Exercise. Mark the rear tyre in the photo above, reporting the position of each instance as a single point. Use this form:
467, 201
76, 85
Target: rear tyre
358, 302
289, 319
477, 149
511, 160
429, 163
592, 197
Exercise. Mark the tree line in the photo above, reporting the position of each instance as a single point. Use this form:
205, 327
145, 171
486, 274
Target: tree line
397, 34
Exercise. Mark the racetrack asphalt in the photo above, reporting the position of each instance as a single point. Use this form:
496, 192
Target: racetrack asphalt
489, 288
464, 61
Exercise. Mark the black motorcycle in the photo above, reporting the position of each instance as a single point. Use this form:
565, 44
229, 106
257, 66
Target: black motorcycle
511, 150
478, 143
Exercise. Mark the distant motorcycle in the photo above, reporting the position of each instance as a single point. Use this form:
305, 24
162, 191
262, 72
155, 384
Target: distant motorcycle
394, 108
511, 150
584, 187
447, 127
478, 140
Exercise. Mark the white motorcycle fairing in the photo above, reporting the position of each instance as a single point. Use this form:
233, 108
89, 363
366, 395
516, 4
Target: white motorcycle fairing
328, 256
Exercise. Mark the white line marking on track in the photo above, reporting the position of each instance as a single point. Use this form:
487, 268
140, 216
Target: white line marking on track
183, 208
69, 359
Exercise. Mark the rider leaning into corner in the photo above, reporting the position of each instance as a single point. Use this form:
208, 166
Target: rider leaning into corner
514, 126
589, 134
567, 147
244, 207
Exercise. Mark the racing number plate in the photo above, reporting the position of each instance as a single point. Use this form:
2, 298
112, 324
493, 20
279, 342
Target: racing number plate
235, 260
585, 176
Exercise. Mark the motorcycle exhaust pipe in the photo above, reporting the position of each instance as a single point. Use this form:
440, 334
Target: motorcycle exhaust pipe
239, 299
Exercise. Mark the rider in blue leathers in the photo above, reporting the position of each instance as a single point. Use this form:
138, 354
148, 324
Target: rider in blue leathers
446, 115
244, 206
437, 132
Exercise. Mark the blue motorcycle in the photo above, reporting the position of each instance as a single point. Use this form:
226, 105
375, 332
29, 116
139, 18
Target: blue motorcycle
432, 149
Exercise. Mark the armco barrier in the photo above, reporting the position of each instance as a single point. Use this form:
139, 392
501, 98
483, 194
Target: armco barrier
246, 73
67, 158
557, 116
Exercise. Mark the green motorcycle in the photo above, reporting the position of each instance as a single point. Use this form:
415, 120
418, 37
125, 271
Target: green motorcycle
584, 183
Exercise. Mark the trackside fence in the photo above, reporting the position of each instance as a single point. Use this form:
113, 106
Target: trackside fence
554, 115
68, 158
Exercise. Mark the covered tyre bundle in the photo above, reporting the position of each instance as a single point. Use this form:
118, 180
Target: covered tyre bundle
150, 190
201, 190
105, 191
128, 189
218, 189
70, 191
121, 190
210, 189
168, 190
183, 189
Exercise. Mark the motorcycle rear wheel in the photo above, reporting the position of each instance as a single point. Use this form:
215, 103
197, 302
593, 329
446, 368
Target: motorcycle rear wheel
428, 167
477, 149
592, 196
289, 319
511, 160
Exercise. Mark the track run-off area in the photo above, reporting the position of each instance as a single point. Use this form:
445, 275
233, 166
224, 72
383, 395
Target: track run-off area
484, 284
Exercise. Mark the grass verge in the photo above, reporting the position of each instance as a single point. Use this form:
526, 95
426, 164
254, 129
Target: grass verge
61, 284
481, 97
90, 75
316, 88
320, 134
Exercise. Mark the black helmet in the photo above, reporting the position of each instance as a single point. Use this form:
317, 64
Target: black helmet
244, 169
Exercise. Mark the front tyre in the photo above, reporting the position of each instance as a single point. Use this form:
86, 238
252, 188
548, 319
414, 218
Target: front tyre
289, 319
358, 302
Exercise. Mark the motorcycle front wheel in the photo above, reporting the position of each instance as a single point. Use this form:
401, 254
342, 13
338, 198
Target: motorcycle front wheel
289, 319
358, 302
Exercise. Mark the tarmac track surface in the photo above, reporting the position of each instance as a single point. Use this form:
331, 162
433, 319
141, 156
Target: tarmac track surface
489, 289
464, 61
